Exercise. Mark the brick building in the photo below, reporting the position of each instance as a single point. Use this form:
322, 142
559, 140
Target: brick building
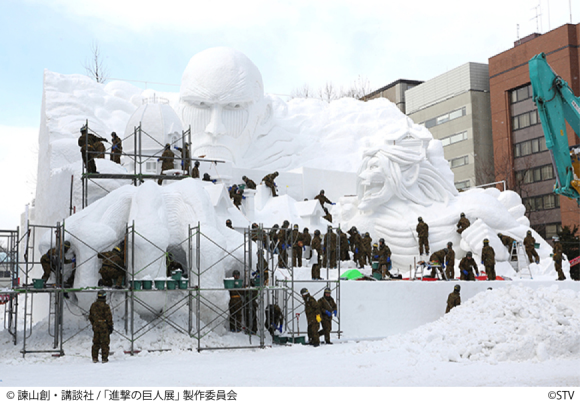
520, 154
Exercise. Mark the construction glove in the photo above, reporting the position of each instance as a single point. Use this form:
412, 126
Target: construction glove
74, 260
318, 319
464, 272
328, 313
280, 328
334, 312
388, 260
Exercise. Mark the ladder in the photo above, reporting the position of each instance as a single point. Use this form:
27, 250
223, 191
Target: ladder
518, 259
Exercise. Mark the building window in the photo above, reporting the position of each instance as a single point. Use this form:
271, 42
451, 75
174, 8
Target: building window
462, 185
455, 138
537, 174
520, 94
530, 147
543, 202
525, 120
460, 161
552, 230
444, 118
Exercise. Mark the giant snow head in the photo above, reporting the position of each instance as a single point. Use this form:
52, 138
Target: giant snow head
409, 166
222, 98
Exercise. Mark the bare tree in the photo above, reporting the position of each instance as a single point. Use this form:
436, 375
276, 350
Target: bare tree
358, 89
329, 92
303, 92
94, 65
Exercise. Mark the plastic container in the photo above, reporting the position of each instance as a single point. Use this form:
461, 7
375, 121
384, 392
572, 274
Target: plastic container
238, 283
172, 284
375, 265
378, 275
297, 340
147, 284
176, 275
280, 339
229, 283
38, 283
136, 284
537, 245
183, 283
160, 284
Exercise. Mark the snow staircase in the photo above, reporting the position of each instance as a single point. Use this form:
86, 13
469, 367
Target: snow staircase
519, 260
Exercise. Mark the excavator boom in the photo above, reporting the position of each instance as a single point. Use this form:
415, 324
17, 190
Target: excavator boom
557, 104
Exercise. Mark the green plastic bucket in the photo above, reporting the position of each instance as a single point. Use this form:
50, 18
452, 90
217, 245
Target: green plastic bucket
375, 265
160, 284
229, 283
280, 339
537, 245
136, 284
176, 275
238, 283
171, 284
183, 283
38, 283
377, 275
147, 284
298, 340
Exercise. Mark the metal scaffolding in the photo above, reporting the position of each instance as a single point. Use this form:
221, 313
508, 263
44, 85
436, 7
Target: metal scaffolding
195, 298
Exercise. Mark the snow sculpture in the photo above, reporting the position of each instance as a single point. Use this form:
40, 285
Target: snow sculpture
160, 125
407, 178
406, 169
162, 216
222, 98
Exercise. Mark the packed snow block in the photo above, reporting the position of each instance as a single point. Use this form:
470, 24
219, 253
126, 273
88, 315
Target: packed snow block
334, 183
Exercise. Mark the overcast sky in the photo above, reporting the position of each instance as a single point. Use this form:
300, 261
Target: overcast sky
292, 43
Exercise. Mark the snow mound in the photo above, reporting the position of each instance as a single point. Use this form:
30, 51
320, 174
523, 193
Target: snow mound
509, 324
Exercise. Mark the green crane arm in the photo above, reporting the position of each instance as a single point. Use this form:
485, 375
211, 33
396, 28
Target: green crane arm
557, 104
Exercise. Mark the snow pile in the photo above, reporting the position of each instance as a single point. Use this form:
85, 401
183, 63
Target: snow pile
509, 324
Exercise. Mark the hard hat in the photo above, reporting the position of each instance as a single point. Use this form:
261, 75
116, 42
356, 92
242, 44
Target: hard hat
66, 244
228, 221
367, 234
469, 254
236, 273
449, 243
529, 232
304, 291
327, 290
244, 177
286, 223
499, 234
196, 163
295, 226
321, 192
420, 218
101, 295
305, 229
462, 214
486, 241
117, 249
457, 288
376, 245
382, 240
316, 232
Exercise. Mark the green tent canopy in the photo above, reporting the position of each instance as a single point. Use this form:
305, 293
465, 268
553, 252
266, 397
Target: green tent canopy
352, 274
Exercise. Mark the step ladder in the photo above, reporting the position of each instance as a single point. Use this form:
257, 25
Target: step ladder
519, 259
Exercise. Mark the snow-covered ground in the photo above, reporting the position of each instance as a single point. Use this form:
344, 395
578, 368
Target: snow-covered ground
516, 334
